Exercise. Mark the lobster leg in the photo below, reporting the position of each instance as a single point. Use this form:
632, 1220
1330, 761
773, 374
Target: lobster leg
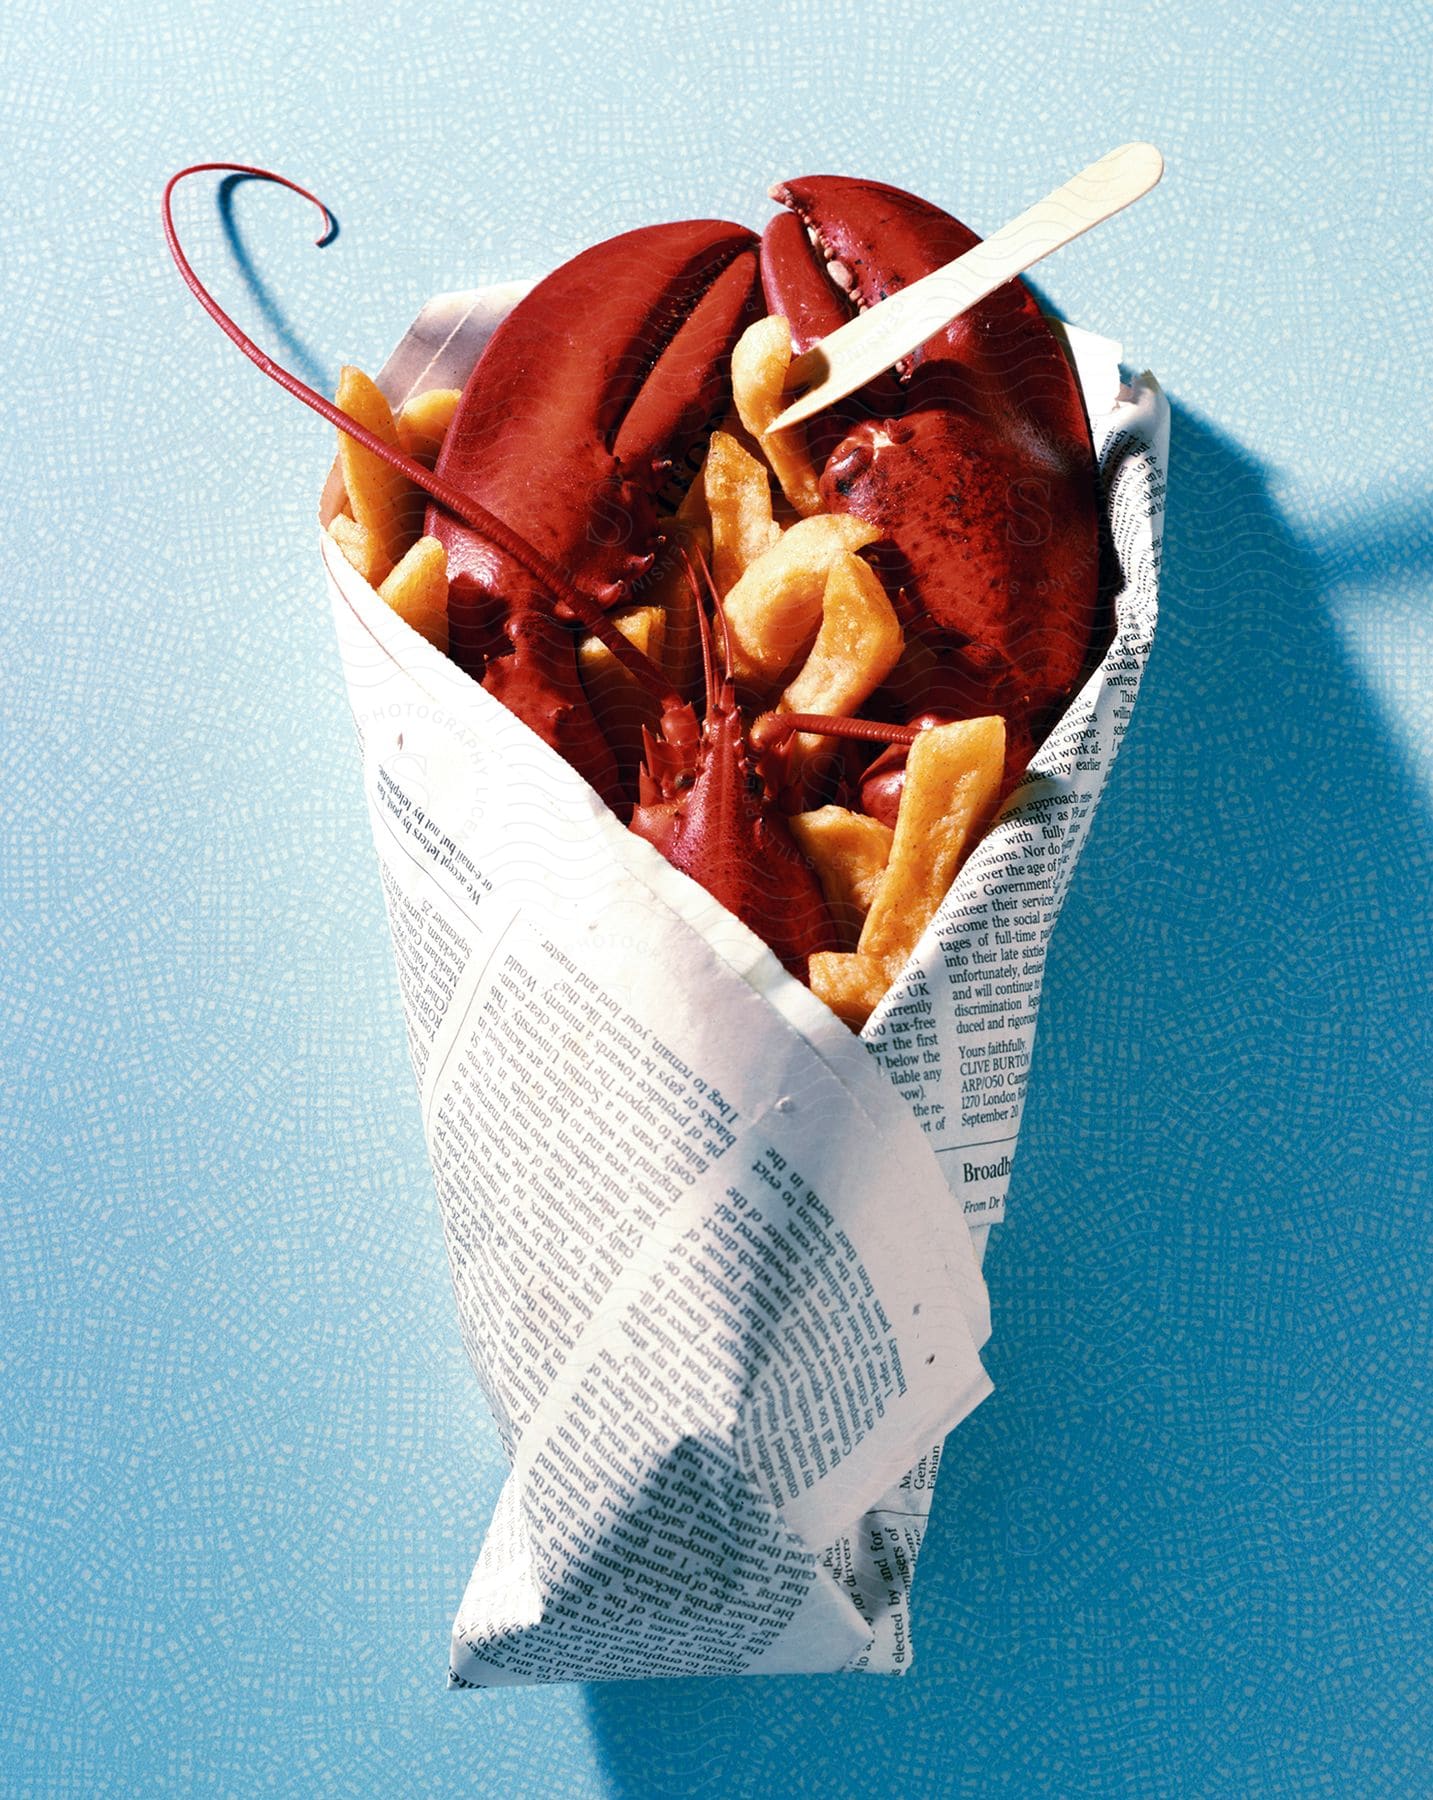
538, 680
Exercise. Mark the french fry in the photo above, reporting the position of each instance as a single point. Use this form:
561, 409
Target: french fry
758, 375
774, 611
953, 775
738, 491
849, 852
621, 704
380, 498
359, 543
423, 423
692, 509
851, 985
417, 590
858, 645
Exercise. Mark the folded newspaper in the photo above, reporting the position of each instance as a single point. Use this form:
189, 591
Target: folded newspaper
716, 1259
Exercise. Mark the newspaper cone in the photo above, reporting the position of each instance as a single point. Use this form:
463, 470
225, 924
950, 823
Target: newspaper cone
716, 1259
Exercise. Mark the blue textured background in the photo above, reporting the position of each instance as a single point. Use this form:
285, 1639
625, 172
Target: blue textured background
1185, 1549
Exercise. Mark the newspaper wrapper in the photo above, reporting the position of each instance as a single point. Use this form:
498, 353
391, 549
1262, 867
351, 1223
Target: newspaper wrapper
716, 1259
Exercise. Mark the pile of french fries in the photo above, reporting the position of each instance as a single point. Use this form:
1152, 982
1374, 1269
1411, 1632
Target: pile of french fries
377, 527
810, 626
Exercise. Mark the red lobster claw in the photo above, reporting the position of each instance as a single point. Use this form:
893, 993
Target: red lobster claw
974, 460
587, 393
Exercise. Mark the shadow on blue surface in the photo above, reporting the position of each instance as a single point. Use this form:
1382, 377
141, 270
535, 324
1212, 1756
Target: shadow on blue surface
1178, 1553
290, 346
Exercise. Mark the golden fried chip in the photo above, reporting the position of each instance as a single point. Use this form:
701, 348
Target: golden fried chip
858, 645
692, 509
734, 428
851, 985
775, 609
738, 491
417, 590
849, 852
381, 498
359, 543
953, 776
423, 423
622, 705
758, 375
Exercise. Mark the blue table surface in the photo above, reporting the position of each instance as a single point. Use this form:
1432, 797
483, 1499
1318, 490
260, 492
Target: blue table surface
1184, 1550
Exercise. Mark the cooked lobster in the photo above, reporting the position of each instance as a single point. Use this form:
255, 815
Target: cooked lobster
974, 462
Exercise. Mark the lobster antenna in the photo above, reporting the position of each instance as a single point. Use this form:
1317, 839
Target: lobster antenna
719, 610
452, 499
703, 623
772, 729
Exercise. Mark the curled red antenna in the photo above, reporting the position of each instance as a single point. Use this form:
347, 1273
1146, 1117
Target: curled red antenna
452, 499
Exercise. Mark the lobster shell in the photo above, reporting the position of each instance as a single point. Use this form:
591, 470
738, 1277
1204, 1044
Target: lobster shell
593, 386
974, 459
